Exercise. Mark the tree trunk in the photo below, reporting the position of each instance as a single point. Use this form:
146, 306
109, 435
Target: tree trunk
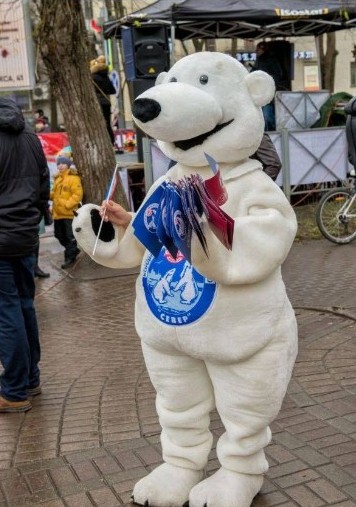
331, 54
327, 60
198, 44
63, 44
54, 115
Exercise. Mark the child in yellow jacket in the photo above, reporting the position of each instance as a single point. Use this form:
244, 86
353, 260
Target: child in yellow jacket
66, 195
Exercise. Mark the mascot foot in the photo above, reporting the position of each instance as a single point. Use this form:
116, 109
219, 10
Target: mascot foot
226, 489
167, 485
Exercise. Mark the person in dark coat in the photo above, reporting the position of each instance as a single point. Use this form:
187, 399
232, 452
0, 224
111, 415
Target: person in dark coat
24, 188
103, 89
268, 62
41, 122
267, 154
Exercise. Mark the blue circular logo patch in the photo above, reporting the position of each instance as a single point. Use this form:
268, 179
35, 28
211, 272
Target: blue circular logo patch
179, 224
176, 293
150, 216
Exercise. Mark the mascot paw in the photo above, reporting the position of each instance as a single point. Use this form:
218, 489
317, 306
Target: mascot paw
86, 226
226, 489
166, 485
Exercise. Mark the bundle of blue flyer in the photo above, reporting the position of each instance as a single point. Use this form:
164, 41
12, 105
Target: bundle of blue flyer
175, 209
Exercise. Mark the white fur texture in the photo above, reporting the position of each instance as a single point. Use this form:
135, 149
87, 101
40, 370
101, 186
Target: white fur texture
238, 356
226, 489
166, 485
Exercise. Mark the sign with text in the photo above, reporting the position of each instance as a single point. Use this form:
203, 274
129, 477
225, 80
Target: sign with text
16, 69
248, 56
311, 78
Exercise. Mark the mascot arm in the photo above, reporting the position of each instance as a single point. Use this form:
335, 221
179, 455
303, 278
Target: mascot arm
262, 240
117, 247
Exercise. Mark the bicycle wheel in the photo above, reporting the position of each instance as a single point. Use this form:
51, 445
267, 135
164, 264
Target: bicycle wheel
336, 216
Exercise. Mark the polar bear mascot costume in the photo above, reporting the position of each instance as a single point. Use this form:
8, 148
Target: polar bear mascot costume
218, 332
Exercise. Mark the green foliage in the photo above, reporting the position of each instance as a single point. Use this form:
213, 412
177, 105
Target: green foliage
307, 227
330, 114
344, 14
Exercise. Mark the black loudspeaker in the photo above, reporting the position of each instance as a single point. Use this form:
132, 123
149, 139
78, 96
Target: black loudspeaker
146, 51
284, 52
137, 87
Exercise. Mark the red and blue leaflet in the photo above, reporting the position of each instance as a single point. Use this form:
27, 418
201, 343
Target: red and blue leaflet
175, 209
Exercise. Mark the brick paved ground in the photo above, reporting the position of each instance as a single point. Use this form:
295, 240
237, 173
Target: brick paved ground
94, 431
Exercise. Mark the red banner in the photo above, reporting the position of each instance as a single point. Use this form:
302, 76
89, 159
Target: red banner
53, 143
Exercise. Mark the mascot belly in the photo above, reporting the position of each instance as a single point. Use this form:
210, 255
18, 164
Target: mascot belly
219, 331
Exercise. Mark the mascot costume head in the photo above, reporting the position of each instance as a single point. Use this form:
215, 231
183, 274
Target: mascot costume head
217, 328
204, 102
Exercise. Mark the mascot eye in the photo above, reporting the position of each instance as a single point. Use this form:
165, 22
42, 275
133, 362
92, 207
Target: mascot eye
173, 80
203, 79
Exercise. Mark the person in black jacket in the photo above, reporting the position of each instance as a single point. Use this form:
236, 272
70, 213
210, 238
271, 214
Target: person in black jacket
267, 154
24, 188
103, 89
268, 62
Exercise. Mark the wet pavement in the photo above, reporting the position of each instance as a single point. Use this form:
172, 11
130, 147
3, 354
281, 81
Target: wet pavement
94, 431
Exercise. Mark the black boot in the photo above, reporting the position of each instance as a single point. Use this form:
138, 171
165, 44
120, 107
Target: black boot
70, 259
68, 263
39, 273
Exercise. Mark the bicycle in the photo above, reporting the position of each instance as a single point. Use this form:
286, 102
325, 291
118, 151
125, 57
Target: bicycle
336, 213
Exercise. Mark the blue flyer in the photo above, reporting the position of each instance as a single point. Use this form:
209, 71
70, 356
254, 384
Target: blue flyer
145, 222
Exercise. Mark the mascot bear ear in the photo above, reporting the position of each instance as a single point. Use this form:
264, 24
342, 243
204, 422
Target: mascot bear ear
261, 87
160, 78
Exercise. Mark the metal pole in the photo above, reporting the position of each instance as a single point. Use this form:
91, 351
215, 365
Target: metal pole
173, 44
317, 41
147, 162
285, 163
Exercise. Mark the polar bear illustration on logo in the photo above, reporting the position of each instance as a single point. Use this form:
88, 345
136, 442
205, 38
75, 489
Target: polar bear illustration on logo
232, 343
162, 287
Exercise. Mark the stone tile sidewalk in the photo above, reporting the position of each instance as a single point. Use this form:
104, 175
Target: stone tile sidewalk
94, 430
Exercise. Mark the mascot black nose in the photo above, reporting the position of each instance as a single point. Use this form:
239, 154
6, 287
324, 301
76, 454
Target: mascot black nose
145, 109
